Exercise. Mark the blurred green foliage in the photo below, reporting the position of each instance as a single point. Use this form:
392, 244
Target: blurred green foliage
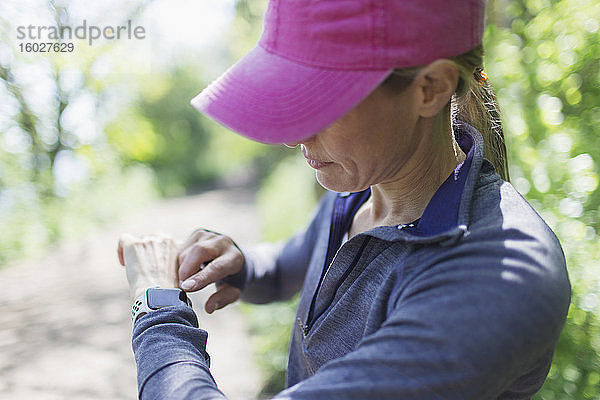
58, 174
87, 136
164, 132
543, 60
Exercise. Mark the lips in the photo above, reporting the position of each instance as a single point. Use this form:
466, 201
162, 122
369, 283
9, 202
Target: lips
316, 164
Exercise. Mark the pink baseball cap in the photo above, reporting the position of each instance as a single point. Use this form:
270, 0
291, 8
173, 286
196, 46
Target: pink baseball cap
317, 59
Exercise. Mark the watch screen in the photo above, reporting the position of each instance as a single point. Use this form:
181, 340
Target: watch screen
158, 298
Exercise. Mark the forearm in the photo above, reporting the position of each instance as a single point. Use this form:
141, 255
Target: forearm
262, 276
170, 352
275, 271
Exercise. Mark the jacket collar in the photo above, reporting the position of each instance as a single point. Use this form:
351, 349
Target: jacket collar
446, 217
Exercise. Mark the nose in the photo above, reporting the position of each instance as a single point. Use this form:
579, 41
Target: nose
291, 145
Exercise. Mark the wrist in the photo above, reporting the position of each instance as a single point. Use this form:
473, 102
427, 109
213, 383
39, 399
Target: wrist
135, 293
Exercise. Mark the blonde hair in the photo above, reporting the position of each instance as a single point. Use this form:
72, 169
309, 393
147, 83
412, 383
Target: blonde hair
473, 102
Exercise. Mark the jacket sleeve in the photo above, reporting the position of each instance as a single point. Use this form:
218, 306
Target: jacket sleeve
171, 358
275, 271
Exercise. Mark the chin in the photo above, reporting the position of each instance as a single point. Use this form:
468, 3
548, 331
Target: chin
336, 184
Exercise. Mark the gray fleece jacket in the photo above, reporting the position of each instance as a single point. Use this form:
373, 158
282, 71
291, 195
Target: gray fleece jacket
467, 302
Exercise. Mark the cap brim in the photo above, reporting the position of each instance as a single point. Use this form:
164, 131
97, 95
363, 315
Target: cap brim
271, 99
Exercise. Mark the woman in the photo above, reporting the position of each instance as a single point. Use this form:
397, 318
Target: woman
423, 274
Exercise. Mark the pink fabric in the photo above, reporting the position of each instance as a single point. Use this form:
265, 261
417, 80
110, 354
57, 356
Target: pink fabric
316, 59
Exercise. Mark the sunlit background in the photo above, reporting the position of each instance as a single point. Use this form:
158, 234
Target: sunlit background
88, 136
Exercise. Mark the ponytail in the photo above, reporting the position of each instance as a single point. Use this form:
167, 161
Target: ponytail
474, 102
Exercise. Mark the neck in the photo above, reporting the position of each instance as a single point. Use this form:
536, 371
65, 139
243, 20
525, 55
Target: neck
403, 198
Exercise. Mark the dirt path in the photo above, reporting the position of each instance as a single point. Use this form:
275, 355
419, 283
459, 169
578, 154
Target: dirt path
65, 328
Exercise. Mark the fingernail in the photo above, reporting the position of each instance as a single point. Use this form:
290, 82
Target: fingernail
187, 285
217, 306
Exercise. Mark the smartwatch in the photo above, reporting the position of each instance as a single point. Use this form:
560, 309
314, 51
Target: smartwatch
155, 298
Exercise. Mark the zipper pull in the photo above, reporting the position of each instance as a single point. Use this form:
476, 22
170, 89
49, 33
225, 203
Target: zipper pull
303, 328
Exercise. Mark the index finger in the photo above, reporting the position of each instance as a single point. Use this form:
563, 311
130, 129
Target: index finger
195, 257
193, 238
216, 270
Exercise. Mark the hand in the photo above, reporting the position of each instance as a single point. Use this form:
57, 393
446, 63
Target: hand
149, 261
205, 258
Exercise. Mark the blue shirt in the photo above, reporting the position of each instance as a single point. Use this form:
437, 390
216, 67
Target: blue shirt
466, 303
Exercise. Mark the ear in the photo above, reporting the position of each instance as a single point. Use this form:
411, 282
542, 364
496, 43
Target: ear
435, 84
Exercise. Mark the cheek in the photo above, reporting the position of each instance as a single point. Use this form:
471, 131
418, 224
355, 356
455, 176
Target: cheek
377, 164
358, 150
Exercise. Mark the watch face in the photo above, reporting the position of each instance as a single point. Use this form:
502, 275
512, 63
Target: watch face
158, 298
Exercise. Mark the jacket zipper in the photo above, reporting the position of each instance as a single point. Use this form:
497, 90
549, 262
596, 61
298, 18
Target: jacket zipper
336, 227
310, 322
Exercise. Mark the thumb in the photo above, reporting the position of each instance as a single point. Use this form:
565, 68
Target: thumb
124, 240
120, 254
225, 294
